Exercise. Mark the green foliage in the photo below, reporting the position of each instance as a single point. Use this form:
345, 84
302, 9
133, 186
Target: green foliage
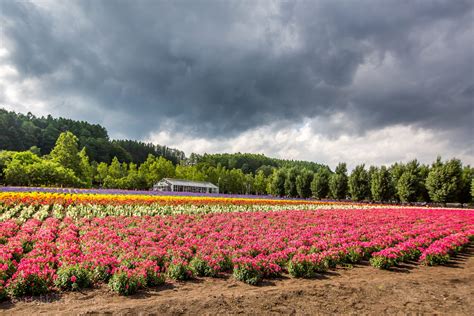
33, 284
249, 183
260, 183
85, 169
50, 173
383, 262
100, 274
248, 273
306, 268
188, 172
444, 182
155, 169
6, 157
277, 182
115, 170
232, 181
16, 170
24, 132
320, 184
436, 259
396, 170
338, 182
139, 151
73, 278
180, 271
66, 152
201, 268
381, 185
290, 182
410, 185
303, 183
27, 169
465, 194
252, 163
472, 190
154, 277
407, 187
126, 283
359, 183
102, 170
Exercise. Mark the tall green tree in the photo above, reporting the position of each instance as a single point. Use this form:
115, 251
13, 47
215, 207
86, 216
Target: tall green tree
467, 177
320, 183
187, 172
6, 157
338, 182
359, 183
410, 184
303, 183
154, 169
66, 152
278, 182
249, 183
115, 170
396, 171
381, 185
472, 190
290, 182
444, 180
134, 179
16, 172
86, 171
260, 183
102, 172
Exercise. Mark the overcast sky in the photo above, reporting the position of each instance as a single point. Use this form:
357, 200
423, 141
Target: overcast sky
358, 81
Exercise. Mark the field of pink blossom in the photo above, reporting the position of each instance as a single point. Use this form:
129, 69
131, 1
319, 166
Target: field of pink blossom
129, 253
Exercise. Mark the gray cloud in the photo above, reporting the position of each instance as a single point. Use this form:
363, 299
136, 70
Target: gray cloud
219, 68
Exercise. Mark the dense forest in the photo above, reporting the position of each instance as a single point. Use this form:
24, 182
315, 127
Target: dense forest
29, 158
24, 132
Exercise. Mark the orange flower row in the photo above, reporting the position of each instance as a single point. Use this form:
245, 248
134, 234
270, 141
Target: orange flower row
41, 198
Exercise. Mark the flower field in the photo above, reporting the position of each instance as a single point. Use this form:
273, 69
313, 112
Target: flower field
52, 241
40, 205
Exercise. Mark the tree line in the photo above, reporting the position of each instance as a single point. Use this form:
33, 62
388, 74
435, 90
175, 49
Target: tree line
39, 134
69, 165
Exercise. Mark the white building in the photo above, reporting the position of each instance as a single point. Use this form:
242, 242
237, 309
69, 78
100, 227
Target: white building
178, 185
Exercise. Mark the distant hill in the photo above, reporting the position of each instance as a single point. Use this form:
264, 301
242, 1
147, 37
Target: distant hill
252, 162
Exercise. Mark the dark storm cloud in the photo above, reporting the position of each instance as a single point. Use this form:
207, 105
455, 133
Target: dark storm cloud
222, 67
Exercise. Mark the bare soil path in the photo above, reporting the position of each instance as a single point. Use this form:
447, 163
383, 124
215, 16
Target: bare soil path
359, 290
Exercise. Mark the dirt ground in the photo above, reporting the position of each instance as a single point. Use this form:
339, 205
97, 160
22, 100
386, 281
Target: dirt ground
358, 290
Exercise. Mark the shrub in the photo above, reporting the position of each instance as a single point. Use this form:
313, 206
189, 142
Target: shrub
101, 274
154, 277
383, 262
126, 282
307, 266
435, 259
73, 278
200, 267
180, 270
252, 270
31, 284
248, 274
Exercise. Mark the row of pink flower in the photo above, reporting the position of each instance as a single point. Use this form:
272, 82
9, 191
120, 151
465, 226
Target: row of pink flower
265, 244
439, 251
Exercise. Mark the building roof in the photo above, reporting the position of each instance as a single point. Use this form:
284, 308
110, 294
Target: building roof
201, 184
